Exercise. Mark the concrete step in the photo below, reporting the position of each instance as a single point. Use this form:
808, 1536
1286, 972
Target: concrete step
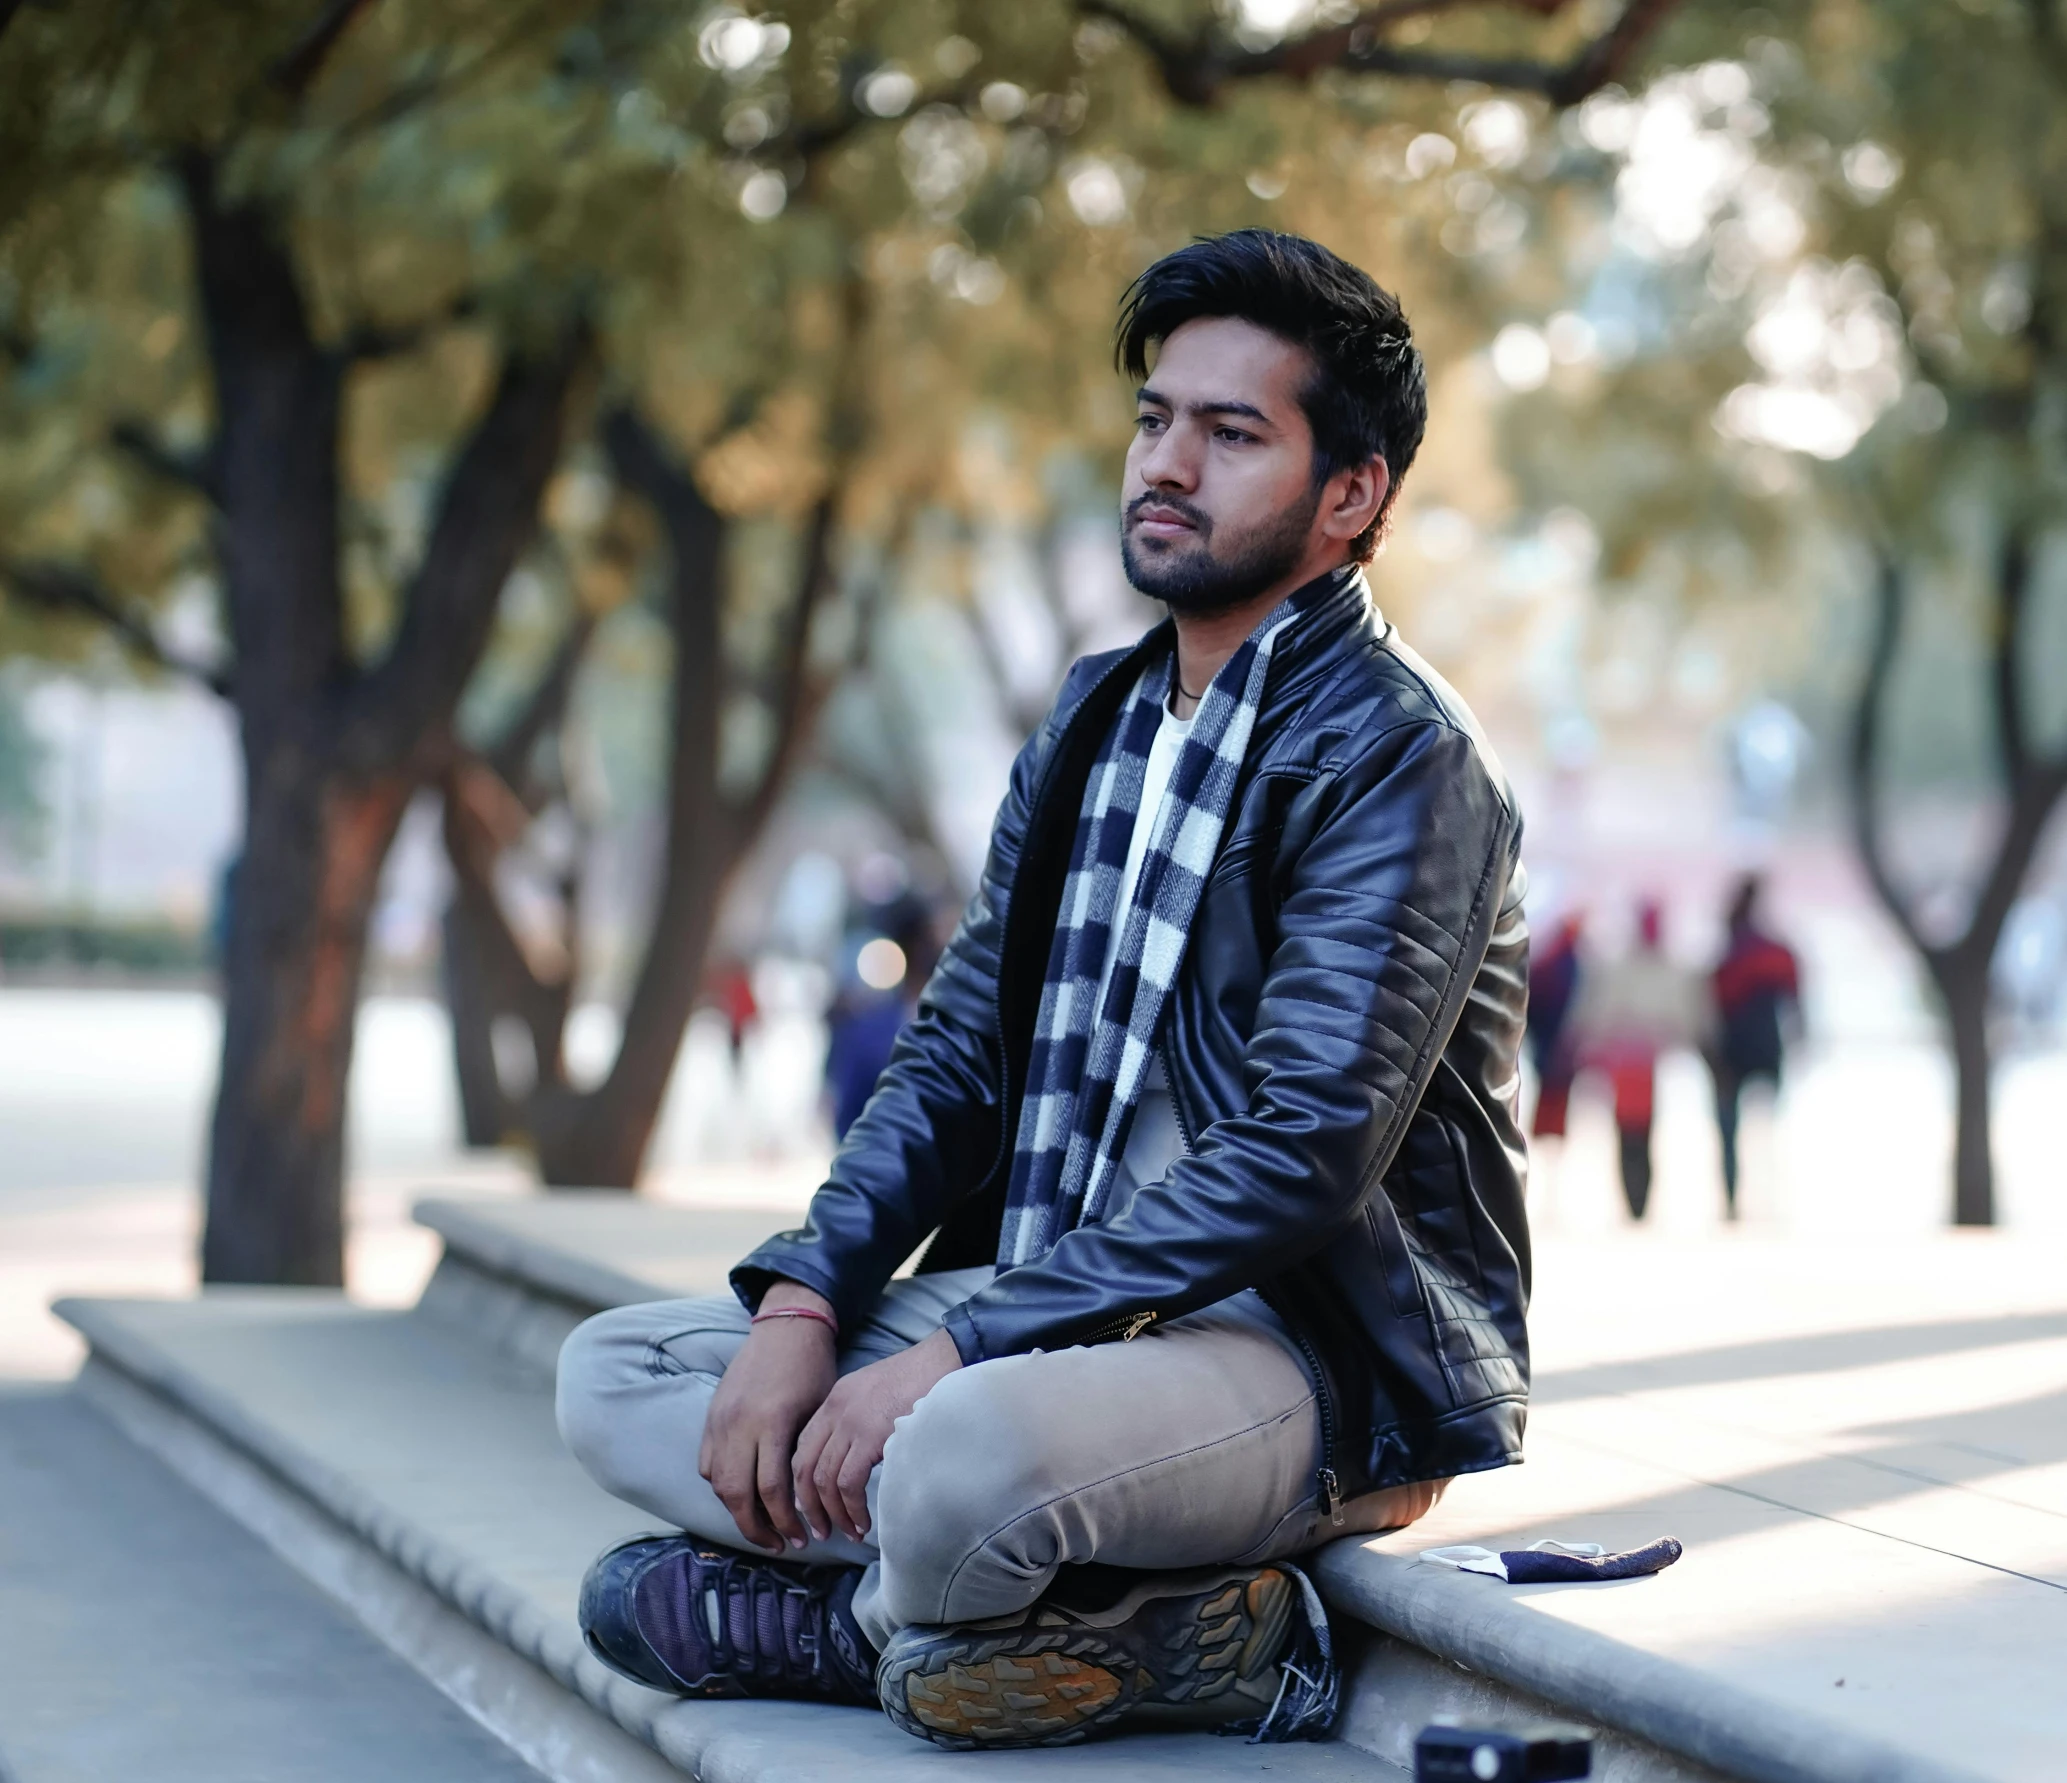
144, 1634
1639, 1661
416, 1474
409, 1463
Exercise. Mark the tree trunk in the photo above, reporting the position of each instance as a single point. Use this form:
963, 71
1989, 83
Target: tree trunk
598, 1138
1964, 989
300, 901
332, 749
2036, 783
487, 1116
489, 802
488, 979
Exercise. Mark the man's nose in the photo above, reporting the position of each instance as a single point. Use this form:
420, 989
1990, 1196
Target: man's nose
1168, 462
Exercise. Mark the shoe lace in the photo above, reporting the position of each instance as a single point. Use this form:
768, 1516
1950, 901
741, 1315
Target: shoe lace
781, 1627
1309, 1697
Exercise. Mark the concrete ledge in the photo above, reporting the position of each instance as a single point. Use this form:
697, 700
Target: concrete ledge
555, 1733
1491, 1629
207, 1378
1397, 1688
1669, 1720
598, 1248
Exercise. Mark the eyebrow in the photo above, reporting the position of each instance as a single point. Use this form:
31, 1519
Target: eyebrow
1222, 406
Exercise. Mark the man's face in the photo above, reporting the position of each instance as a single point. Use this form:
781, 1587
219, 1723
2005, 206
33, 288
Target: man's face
1218, 502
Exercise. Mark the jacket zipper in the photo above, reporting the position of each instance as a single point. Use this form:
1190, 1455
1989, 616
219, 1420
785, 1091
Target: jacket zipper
1327, 1483
1125, 1329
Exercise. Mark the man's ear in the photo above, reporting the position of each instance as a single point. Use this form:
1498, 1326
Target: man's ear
1358, 493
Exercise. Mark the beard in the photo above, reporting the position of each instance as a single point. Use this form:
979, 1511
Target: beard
1192, 577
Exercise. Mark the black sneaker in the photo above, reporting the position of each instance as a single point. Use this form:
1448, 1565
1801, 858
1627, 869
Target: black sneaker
683, 1616
1194, 1648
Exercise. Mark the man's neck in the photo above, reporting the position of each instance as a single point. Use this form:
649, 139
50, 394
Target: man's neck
1206, 640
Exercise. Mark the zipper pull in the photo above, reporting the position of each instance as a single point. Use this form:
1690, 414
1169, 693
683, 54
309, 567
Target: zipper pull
1139, 1323
1331, 1495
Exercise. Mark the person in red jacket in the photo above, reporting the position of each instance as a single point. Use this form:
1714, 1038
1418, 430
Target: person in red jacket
1632, 1011
1757, 987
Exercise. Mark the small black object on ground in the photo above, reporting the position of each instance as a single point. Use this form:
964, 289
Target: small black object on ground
1544, 1752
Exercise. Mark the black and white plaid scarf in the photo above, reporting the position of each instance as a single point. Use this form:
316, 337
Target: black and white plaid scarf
1085, 1072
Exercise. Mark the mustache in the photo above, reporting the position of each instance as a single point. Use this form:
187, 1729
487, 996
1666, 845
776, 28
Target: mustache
1176, 504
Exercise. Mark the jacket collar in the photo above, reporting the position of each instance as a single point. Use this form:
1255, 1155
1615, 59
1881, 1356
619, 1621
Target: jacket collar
1335, 607
1331, 607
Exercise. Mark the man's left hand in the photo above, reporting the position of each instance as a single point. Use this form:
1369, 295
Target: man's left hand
844, 1440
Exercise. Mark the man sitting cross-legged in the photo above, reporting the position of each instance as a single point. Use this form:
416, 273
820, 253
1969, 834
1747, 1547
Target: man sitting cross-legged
1209, 1110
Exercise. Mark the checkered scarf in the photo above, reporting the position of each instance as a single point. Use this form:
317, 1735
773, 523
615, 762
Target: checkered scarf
1085, 1073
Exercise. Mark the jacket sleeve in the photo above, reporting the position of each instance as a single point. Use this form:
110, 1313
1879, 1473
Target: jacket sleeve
929, 1135
1386, 915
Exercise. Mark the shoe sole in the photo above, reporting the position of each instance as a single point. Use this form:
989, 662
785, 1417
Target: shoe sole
1051, 1681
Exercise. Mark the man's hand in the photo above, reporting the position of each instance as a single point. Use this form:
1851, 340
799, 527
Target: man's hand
779, 1378
844, 1440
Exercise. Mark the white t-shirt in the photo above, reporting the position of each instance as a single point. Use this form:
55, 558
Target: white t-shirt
1155, 1141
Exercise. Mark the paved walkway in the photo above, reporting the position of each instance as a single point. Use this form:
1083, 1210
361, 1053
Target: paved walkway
147, 1636
1863, 1447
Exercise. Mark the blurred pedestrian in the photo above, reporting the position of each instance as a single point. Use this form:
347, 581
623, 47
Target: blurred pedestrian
730, 991
862, 1026
1757, 988
1631, 1011
1555, 975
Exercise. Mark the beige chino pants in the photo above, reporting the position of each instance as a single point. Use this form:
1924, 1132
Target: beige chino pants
1195, 1444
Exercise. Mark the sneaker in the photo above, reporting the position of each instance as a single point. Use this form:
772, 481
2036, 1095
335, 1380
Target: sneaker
680, 1615
1194, 1647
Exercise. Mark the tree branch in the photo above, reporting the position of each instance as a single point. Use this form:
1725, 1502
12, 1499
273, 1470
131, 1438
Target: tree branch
379, 341
486, 517
62, 588
190, 470
2012, 599
295, 72
1890, 600
510, 755
809, 142
799, 694
441, 80
1197, 70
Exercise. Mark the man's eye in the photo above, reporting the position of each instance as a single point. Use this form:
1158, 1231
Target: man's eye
1148, 423
1233, 435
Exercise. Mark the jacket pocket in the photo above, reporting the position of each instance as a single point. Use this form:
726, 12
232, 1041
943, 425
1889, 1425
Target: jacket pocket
1402, 1277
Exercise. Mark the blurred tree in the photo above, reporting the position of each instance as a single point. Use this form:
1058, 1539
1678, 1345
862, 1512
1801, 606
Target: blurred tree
306, 313
1840, 239
975, 272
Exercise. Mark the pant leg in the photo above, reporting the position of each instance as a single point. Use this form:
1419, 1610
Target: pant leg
636, 1382
1553, 1105
1636, 1168
1729, 1094
1196, 1444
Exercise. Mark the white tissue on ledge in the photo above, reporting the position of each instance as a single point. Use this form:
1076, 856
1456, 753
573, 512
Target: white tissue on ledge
1485, 1560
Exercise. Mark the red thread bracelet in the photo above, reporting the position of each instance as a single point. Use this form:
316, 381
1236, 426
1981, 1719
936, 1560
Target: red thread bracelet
799, 1312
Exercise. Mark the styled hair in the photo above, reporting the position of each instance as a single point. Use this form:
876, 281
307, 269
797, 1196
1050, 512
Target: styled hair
1368, 397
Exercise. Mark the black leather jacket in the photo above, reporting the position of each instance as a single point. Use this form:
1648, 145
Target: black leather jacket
1342, 1048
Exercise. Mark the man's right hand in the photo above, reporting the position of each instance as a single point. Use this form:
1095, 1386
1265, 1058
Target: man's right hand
780, 1377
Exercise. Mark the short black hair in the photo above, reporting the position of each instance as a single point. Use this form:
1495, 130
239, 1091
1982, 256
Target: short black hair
1369, 394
